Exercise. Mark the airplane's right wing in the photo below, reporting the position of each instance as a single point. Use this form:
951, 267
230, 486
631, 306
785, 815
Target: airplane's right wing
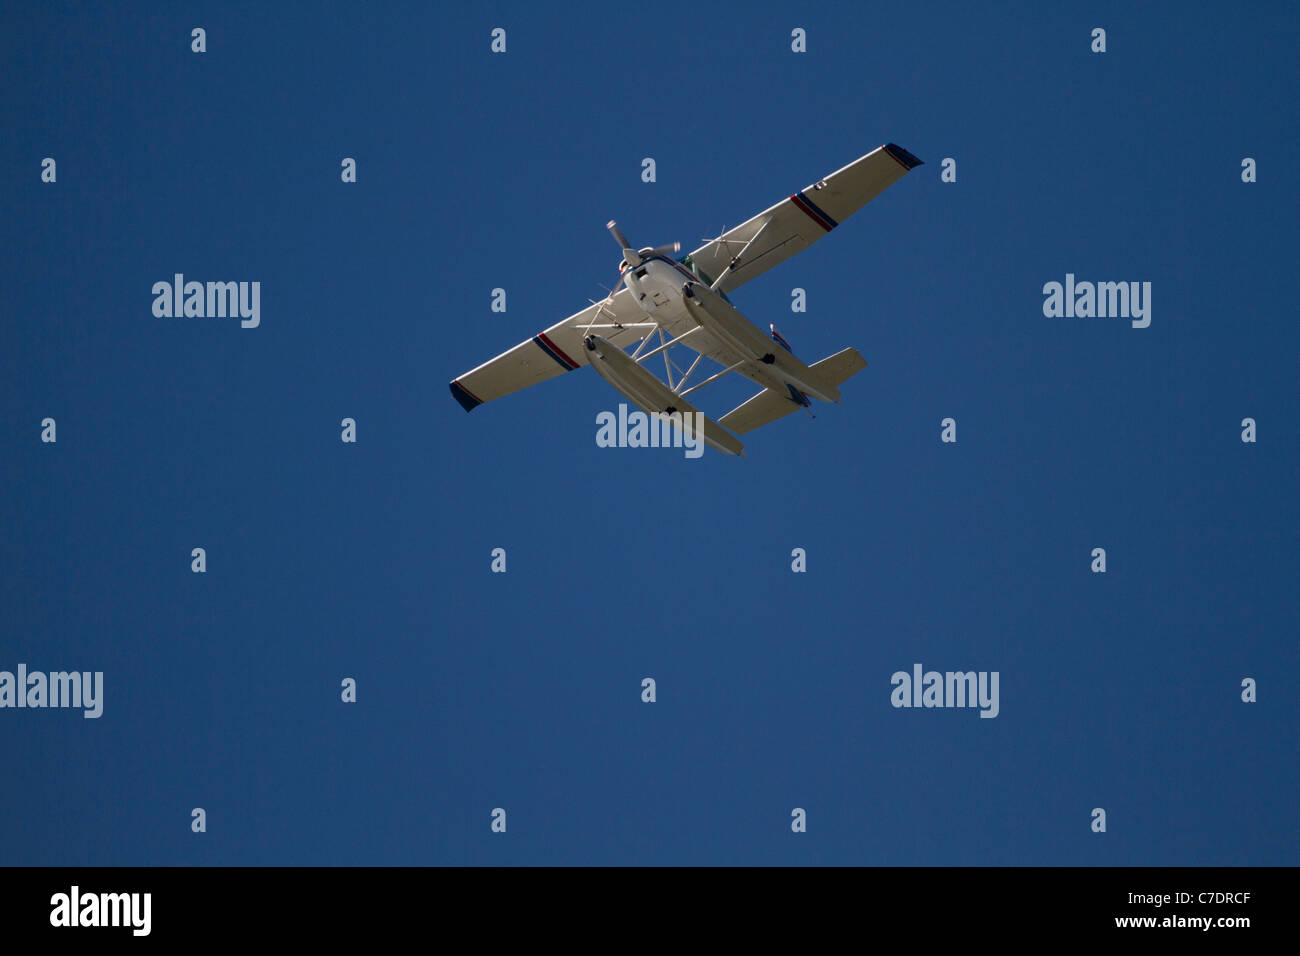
550, 353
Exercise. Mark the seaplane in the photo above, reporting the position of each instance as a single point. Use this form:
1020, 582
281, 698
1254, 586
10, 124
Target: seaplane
663, 302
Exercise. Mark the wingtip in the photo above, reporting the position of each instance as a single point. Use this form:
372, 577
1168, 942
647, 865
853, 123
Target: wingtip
906, 160
464, 396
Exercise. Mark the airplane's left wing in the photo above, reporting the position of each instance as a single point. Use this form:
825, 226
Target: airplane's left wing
794, 224
550, 353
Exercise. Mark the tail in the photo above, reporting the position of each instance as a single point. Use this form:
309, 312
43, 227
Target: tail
769, 405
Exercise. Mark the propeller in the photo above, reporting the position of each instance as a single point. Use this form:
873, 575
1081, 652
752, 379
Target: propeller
634, 257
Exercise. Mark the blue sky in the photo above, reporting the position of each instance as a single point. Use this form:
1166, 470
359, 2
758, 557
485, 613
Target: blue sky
521, 690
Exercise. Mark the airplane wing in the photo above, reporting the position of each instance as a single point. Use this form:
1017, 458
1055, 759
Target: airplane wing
550, 353
794, 224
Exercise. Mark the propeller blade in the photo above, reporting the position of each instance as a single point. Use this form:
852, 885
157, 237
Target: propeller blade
617, 233
634, 256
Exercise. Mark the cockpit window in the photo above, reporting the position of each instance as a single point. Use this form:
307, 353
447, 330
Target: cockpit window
699, 273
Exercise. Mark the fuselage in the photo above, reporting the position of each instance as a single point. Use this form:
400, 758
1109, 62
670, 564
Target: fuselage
658, 286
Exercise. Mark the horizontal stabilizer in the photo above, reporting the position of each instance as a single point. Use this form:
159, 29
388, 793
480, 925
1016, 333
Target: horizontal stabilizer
769, 405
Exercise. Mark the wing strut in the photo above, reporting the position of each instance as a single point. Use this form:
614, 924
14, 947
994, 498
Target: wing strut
735, 260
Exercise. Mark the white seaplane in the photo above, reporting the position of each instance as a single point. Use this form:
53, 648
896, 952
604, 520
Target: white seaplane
665, 302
